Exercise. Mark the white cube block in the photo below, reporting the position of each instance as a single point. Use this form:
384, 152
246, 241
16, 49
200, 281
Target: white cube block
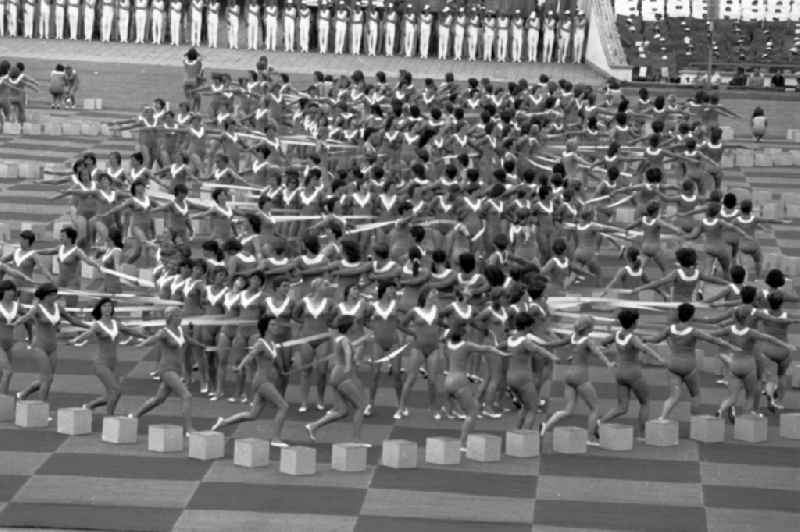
484, 447
616, 437
707, 429
750, 428
399, 454
349, 457
569, 440
98, 104
120, 429
790, 426
74, 421
52, 129
12, 128
795, 375
251, 452
165, 438
71, 128
444, 451
522, 443
31, 128
32, 414
298, 460
8, 408
206, 445
88, 103
661, 433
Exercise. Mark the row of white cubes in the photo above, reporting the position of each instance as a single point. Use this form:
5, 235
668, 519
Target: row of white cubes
300, 460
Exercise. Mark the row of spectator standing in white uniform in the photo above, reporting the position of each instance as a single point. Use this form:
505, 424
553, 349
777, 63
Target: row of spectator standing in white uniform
461, 34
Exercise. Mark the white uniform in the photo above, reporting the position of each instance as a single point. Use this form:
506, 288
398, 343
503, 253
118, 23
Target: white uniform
157, 15
73, 15
340, 31
445, 23
106, 20
517, 34
2, 18
89, 9
232, 16
473, 32
373, 21
271, 26
197, 23
304, 28
124, 19
410, 28
356, 31
289, 16
425, 23
141, 20
252, 25
502, 38
44, 19
323, 28
391, 30
564, 33
175, 16
549, 39
489, 25
578, 39
534, 26
212, 19
29, 12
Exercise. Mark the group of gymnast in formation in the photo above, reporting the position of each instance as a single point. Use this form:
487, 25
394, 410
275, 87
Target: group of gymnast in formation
361, 230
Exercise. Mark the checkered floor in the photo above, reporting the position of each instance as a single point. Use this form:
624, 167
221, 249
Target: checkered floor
52, 480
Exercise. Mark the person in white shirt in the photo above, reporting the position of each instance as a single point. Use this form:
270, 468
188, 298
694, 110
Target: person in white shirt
197, 23
534, 26
502, 37
517, 34
564, 34
391, 30
89, 9
473, 32
123, 19
212, 21
289, 19
445, 23
579, 38
232, 16
340, 30
252, 24
410, 30
356, 29
140, 16
73, 14
106, 19
549, 36
489, 27
28, 14
157, 17
11, 17
175, 16
323, 26
44, 19
271, 25
304, 27
373, 24
425, 23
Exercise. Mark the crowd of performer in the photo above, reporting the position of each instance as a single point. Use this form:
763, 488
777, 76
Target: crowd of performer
460, 30
359, 230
